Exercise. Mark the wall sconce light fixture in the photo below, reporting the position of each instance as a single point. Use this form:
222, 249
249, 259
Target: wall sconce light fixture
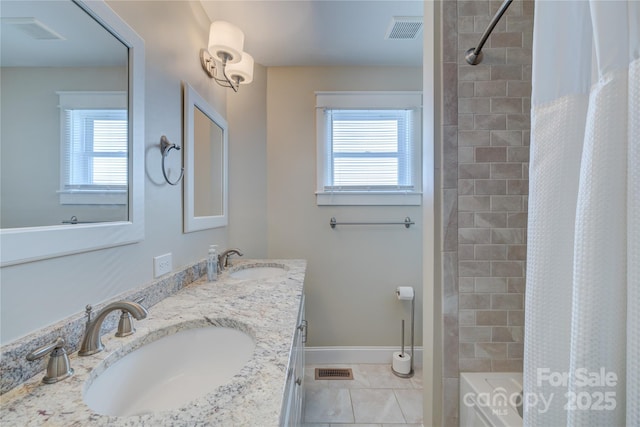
224, 61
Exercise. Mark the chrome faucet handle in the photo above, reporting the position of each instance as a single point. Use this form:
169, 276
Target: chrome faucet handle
223, 258
125, 325
87, 311
58, 367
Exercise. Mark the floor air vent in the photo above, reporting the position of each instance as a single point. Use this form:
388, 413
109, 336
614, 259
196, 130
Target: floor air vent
334, 374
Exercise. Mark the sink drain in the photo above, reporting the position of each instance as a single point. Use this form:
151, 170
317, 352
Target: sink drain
334, 374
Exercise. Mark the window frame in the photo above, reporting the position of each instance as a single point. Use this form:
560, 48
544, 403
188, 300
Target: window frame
371, 100
88, 194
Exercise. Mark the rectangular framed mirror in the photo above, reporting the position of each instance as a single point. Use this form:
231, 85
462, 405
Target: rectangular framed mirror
88, 68
206, 164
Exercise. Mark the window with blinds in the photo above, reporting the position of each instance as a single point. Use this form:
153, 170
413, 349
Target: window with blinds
94, 148
368, 155
370, 150
96, 157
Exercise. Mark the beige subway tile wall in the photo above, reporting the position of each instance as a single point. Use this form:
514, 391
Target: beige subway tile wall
484, 201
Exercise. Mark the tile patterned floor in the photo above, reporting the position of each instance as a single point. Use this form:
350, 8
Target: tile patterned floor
374, 398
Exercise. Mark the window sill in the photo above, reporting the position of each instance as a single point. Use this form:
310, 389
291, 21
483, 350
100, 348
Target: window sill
93, 197
368, 199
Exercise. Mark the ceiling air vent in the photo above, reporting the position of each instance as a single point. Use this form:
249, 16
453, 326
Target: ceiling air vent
33, 28
404, 28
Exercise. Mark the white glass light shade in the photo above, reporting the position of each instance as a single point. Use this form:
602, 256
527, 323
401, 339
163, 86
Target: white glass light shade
226, 38
242, 69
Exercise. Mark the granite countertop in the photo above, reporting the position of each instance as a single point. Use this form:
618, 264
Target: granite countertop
265, 308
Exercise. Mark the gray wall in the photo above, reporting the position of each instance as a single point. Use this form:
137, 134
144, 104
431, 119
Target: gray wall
247, 118
31, 133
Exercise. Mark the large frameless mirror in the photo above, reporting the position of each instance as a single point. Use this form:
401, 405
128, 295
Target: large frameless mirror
206, 163
71, 143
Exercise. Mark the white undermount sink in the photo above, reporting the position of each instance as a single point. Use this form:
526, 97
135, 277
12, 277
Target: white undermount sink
258, 271
168, 373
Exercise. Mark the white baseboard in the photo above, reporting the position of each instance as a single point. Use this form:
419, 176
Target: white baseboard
352, 355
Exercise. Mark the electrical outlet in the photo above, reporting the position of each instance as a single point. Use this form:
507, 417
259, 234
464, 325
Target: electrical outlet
162, 265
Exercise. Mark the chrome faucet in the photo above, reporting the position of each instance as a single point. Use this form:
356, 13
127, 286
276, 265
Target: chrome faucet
92, 342
58, 367
125, 325
223, 258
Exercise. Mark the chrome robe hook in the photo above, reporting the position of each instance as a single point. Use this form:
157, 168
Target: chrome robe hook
165, 148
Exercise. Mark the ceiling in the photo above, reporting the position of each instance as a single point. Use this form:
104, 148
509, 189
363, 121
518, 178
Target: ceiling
55, 34
321, 32
277, 33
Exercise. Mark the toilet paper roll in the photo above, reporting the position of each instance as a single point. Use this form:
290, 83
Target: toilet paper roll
404, 293
401, 362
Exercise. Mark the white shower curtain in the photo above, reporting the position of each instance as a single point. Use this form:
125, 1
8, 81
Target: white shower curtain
582, 325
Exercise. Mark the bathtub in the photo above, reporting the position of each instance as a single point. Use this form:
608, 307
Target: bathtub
490, 399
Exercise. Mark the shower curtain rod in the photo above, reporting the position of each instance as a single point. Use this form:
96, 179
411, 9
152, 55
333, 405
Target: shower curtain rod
474, 55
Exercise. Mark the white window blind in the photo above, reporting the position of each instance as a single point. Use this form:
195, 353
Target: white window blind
94, 148
96, 157
368, 148
371, 150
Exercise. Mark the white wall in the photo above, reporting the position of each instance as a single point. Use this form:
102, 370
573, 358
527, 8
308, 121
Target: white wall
352, 272
37, 294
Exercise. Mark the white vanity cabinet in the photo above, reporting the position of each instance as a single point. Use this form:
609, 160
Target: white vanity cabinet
294, 389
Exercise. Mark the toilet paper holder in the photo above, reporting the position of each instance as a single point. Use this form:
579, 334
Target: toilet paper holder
403, 294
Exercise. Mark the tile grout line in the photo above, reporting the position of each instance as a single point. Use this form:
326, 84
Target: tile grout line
353, 411
404, 417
